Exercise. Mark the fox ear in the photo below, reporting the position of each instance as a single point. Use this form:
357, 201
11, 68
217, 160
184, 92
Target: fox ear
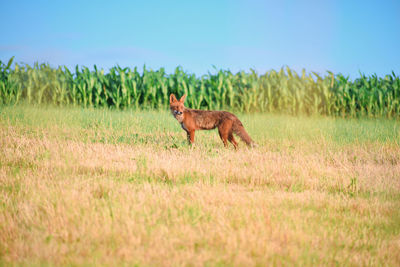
182, 100
172, 98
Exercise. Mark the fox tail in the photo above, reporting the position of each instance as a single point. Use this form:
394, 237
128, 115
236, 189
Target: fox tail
239, 130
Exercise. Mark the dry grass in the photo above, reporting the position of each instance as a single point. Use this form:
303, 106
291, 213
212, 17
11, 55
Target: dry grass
108, 187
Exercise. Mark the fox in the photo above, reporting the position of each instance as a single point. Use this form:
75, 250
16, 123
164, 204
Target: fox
195, 119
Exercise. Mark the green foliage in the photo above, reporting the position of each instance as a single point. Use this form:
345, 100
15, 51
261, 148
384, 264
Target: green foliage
280, 92
10, 88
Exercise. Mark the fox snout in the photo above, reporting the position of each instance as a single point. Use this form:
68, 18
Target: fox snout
177, 112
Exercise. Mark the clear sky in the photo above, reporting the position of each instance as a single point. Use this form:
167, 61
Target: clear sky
340, 36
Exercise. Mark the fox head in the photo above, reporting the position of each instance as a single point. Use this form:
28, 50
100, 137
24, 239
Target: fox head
176, 106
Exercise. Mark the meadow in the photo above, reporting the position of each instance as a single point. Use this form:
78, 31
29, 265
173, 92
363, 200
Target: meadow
86, 186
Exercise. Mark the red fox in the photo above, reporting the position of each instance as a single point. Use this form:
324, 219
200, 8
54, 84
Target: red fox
194, 119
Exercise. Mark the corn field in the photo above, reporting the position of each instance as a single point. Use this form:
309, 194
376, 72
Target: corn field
283, 91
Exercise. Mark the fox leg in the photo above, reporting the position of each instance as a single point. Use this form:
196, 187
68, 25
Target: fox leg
190, 137
223, 138
232, 140
223, 131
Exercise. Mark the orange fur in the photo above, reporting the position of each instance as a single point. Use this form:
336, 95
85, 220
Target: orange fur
194, 119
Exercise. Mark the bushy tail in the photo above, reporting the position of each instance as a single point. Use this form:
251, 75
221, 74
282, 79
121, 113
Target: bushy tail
239, 130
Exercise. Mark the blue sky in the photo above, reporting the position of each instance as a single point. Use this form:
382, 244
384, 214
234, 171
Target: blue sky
340, 36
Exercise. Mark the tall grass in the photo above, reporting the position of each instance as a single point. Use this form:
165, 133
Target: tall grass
283, 91
110, 187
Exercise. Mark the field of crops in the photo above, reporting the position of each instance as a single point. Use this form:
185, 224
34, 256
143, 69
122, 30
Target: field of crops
94, 170
283, 91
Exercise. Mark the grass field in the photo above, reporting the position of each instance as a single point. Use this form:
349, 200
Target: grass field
86, 186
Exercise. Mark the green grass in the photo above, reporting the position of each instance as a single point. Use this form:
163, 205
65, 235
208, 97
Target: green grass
125, 126
100, 186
